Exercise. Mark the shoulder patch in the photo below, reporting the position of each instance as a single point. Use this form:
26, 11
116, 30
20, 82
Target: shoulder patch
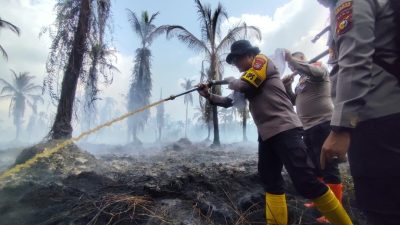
257, 74
259, 63
344, 17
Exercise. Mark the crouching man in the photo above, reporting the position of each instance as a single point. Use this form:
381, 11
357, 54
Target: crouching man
280, 136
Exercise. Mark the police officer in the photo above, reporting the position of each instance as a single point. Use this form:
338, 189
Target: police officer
312, 97
280, 135
366, 118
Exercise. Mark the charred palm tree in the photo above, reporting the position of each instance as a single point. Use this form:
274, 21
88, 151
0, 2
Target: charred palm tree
77, 23
100, 63
226, 115
108, 109
141, 84
244, 115
212, 46
13, 28
34, 118
20, 91
188, 98
160, 118
205, 106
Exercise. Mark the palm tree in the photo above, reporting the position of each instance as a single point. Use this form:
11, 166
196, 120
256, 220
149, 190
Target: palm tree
62, 125
141, 85
212, 45
13, 28
21, 91
34, 118
188, 99
205, 106
244, 114
243, 111
77, 24
160, 118
100, 64
108, 109
226, 116
204, 117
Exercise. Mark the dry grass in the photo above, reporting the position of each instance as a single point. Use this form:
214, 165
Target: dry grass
119, 209
243, 217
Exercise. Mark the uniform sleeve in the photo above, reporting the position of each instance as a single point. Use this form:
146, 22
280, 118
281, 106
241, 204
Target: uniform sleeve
315, 70
225, 102
242, 86
355, 24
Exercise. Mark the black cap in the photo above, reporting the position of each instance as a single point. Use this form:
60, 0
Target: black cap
240, 48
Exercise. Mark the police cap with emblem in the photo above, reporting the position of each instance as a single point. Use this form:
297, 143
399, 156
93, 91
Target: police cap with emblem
241, 48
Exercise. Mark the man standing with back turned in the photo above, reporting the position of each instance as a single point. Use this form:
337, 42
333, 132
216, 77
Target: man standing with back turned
313, 101
366, 92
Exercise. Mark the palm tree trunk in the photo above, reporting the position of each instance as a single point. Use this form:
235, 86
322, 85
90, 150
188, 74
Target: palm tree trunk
216, 141
159, 133
18, 133
62, 125
134, 136
209, 131
215, 90
186, 123
244, 125
128, 136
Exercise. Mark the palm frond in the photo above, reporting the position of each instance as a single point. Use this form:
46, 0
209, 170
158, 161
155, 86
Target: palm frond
36, 98
153, 17
3, 52
136, 24
14, 74
12, 104
239, 31
204, 12
111, 67
216, 20
12, 27
6, 96
8, 90
155, 33
8, 87
188, 38
32, 87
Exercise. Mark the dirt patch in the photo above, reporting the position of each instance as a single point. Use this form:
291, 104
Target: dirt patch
184, 184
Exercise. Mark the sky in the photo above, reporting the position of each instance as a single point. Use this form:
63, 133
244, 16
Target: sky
287, 24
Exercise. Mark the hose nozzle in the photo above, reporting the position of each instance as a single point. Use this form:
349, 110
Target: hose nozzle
217, 82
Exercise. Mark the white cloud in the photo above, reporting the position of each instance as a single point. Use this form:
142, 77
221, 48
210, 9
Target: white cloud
292, 26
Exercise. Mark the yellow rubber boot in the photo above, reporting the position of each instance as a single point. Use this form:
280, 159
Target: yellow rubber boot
337, 189
276, 209
331, 208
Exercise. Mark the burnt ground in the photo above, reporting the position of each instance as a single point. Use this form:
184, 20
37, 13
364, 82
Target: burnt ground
179, 183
